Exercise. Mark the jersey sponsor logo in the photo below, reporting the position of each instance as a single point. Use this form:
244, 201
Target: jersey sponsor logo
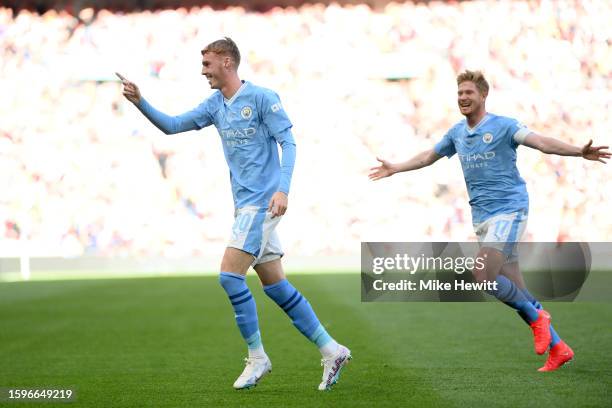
476, 160
276, 107
246, 112
236, 133
487, 138
237, 137
476, 157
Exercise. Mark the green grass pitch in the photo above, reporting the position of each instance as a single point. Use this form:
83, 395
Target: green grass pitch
172, 342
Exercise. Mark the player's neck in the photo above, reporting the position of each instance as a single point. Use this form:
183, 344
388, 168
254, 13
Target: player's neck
232, 86
474, 119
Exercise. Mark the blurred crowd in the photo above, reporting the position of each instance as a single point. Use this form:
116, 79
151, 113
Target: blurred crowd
82, 172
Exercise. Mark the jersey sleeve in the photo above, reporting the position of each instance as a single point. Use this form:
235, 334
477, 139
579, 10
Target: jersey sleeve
287, 143
196, 118
201, 114
273, 115
446, 146
517, 132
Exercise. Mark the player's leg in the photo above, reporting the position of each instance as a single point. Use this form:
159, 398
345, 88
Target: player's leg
498, 237
295, 305
232, 278
238, 257
270, 271
504, 290
511, 271
559, 352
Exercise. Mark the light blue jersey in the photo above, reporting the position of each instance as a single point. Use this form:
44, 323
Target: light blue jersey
488, 158
250, 124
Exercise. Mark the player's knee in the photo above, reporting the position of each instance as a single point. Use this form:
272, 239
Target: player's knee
480, 273
228, 282
489, 263
226, 264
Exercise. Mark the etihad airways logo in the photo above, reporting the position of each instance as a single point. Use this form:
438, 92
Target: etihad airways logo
235, 133
466, 158
476, 160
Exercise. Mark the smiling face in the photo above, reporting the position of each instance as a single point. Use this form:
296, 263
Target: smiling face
470, 99
214, 68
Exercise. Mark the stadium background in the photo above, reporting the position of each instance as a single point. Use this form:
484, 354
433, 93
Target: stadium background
87, 184
84, 175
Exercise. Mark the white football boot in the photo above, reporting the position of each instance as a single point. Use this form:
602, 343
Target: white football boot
333, 366
256, 368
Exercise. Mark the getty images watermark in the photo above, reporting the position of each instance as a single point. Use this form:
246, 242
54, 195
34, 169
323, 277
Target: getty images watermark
442, 271
411, 265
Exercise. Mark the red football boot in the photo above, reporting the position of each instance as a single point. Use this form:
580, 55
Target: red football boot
558, 355
541, 331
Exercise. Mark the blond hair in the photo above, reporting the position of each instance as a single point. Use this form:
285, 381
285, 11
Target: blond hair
477, 78
226, 46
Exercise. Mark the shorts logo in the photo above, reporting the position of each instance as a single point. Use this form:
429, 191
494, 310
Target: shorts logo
246, 112
276, 107
487, 138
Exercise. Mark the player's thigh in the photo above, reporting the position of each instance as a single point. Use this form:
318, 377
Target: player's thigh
270, 272
236, 261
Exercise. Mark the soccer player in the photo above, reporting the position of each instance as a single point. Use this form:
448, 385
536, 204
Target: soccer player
251, 122
486, 145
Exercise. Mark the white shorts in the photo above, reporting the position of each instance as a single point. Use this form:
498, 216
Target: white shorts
254, 232
503, 232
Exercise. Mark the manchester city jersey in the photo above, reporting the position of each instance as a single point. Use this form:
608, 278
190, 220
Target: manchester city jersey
250, 124
488, 158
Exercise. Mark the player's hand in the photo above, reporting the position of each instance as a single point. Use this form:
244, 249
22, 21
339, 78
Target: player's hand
130, 90
278, 204
598, 153
385, 169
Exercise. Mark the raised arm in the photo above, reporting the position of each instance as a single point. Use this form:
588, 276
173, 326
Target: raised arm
551, 145
192, 120
386, 169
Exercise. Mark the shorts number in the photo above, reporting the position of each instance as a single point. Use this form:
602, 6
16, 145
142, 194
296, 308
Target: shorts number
243, 221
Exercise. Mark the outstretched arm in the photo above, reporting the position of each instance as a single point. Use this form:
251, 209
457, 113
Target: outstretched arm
386, 169
550, 145
166, 123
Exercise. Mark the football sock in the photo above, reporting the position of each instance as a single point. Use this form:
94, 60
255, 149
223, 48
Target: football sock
255, 345
245, 310
508, 293
326, 344
554, 337
303, 317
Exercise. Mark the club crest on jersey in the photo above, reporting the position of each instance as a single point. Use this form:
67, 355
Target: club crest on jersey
487, 138
246, 112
